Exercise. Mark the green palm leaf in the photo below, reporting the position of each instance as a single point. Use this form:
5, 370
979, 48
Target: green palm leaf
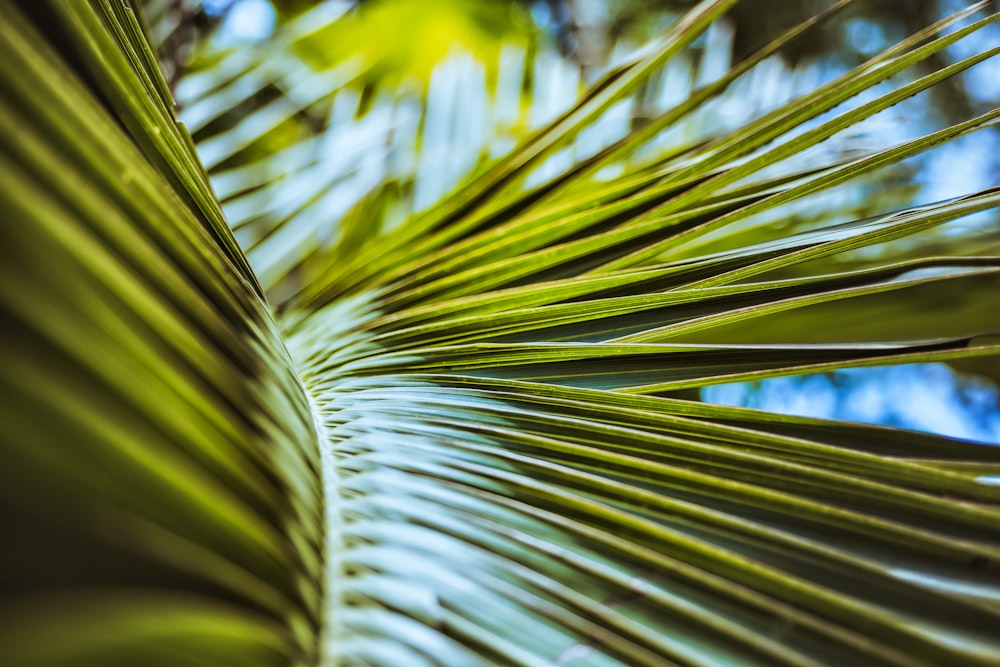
457, 441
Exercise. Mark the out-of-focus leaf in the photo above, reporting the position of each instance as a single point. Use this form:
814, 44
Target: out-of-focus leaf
159, 486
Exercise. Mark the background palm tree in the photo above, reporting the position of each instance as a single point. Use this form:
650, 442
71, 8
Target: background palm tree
459, 441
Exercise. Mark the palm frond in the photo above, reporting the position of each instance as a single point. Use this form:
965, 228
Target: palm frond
472, 451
